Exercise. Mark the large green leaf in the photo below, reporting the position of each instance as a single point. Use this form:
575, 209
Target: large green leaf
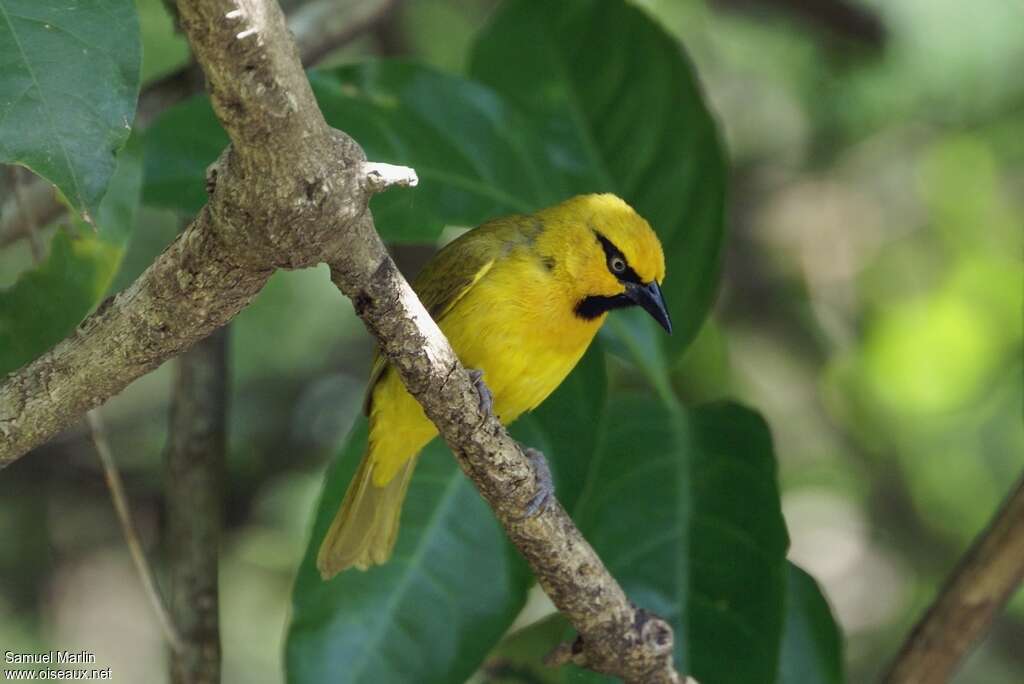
476, 157
429, 615
621, 111
811, 647
46, 303
479, 155
69, 81
560, 109
683, 508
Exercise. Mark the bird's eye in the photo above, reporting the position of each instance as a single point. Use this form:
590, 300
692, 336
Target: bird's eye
617, 264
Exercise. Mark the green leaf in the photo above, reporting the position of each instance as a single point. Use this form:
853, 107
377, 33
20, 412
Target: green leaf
683, 508
812, 650
635, 337
180, 144
573, 113
431, 614
622, 111
46, 303
476, 157
68, 88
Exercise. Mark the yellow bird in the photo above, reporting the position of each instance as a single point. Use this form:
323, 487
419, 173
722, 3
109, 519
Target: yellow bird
520, 299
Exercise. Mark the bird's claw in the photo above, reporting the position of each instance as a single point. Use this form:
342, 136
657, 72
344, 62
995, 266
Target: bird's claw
486, 398
545, 485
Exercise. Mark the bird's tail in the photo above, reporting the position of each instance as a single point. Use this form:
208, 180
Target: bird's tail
366, 526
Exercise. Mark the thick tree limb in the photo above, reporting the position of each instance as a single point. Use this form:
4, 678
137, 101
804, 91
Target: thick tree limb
974, 594
194, 486
282, 198
292, 193
194, 287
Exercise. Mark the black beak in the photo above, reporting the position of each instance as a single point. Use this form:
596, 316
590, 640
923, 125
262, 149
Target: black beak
650, 298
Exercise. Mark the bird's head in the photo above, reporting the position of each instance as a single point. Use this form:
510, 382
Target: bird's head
610, 256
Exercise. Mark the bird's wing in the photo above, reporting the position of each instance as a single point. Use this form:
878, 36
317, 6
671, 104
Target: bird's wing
446, 279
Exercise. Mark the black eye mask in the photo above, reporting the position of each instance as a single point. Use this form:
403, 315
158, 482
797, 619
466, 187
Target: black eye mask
628, 275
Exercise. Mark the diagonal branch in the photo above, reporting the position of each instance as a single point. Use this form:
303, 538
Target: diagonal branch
292, 193
974, 594
287, 168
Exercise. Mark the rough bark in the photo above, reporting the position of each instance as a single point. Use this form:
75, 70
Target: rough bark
194, 490
974, 594
282, 196
292, 193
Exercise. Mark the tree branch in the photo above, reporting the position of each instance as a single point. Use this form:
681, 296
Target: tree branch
286, 169
194, 287
195, 465
131, 536
291, 193
974, 594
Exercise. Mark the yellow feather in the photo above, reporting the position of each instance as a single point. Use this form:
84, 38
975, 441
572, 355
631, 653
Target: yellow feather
506, 296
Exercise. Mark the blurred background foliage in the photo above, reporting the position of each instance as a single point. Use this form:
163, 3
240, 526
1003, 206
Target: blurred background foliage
870, 308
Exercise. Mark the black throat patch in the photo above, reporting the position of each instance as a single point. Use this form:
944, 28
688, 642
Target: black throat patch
595, 305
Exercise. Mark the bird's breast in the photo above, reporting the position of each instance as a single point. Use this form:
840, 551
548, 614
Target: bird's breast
522, 333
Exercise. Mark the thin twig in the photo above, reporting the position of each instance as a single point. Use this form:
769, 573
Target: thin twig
974, 594
131, 536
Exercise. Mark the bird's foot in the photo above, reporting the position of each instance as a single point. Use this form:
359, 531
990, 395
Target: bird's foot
486, 398
545, 485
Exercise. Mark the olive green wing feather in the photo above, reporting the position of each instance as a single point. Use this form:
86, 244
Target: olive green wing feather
449, 275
